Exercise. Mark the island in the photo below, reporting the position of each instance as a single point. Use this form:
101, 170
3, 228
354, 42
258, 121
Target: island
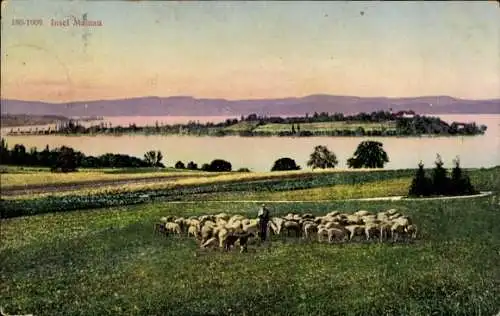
378, 123
16, 120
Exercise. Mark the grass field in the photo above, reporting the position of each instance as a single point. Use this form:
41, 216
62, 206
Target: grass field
107, 262
241, 126
392, 187
326, 126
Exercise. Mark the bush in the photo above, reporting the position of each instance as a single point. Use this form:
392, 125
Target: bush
283, 164
243, 170
179, 165
217, 165
192, 165
205, 167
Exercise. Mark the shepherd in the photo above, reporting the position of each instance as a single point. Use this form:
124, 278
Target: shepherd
263, 221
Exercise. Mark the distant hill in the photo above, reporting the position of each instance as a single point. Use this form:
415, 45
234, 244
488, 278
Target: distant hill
189, 106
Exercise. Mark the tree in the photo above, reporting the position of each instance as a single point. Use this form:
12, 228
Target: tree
219, 165
205, 167
45, 157
420, 185
18, 154
440, 180
369, 154
460, 183
66, 160
4, 152
322, 158
159, 157
192, 165
153, 159
179, 165
150, 158
285, 164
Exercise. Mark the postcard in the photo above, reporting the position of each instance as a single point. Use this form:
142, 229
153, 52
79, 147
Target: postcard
249, 158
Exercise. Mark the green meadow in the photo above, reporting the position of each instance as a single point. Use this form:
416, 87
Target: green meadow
107, 261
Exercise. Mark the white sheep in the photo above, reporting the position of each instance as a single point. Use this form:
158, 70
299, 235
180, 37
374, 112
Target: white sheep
383, 217
193, 231
193, 222
370, 219
309, 229
372, 229
333, 225
278, 224
234, 225
402, 220
333, 214
288, 217
397, 231
322, 233
246, 221
354, 220
207, 231
385, 230
292, 226
220, 221
208, 222
355, 230
236, 218
411, 230
362, 213
182, 223
222, 234
207, 218
222, 216
210, 243
252, 229
337, 234
173, 228
391, 211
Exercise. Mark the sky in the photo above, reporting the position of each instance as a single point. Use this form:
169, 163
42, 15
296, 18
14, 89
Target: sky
250, 50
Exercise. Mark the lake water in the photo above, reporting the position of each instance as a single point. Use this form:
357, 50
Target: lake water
259, 153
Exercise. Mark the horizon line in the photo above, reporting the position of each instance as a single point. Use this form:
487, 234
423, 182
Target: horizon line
254, 99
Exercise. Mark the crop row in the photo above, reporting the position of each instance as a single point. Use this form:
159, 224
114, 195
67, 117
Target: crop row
48, 204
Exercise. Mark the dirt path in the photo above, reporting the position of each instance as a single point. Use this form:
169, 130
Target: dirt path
382, 198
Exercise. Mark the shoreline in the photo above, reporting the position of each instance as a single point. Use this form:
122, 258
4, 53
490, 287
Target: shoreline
237, 135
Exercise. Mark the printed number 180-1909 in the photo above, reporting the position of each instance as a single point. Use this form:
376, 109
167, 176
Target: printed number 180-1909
27, 22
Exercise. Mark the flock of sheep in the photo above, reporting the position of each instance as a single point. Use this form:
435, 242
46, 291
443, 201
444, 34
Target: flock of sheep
225, 231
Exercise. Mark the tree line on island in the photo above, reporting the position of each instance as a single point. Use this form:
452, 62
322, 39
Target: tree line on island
368, 154
378, 123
